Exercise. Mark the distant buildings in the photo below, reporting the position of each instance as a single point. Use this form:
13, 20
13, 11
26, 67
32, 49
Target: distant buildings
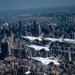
35, 29
47, 28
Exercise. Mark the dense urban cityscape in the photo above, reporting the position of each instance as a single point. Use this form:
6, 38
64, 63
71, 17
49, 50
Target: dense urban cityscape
15, 54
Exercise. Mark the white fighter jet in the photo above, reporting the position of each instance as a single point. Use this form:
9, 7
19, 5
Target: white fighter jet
60, 39
37, 47
32, 38
46, 61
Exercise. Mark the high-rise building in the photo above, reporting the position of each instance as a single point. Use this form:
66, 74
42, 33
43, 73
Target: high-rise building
20, 27
36, 29
39, 29
4, 50
13, 71
1, 72
10, 45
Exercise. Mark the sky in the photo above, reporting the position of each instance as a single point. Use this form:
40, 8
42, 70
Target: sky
6, 5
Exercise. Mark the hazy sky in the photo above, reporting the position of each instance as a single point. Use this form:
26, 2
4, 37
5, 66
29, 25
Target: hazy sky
26, 4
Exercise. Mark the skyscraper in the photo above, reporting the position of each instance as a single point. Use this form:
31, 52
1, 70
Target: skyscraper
36, 29
4, 50
20, 27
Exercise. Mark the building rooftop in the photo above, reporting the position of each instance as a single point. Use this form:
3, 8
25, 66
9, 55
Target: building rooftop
10, 58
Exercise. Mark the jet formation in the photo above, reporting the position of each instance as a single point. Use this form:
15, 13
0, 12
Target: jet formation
47, 60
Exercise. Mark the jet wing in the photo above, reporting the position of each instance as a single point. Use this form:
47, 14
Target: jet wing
30, 46
42, 60
37, 58
45, 62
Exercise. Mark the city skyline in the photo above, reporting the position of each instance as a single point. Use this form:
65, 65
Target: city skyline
30, 4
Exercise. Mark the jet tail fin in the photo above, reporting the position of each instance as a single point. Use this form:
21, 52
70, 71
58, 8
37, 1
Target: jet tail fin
48, 45
57, 57
41, 35
61, 37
